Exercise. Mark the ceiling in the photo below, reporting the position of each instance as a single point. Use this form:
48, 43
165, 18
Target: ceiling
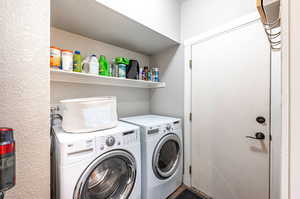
181, 1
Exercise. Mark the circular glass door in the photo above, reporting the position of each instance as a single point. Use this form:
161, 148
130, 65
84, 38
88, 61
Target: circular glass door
112, 175
166, 156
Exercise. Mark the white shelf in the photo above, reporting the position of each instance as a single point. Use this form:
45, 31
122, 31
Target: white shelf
83, 78
92, 19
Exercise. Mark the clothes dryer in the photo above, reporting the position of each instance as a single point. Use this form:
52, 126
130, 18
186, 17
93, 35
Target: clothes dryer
162, 154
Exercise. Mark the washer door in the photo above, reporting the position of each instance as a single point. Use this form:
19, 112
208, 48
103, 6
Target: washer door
112, 175
166, 156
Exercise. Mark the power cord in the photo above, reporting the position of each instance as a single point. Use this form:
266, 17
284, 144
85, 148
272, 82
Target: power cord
1, 195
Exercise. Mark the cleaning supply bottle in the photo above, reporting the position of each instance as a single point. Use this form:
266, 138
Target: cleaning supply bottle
93, 65
104, 66
122, 63
114, 68
77, 62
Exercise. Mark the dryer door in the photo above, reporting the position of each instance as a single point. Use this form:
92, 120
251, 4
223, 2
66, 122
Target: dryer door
112, 175
166, 156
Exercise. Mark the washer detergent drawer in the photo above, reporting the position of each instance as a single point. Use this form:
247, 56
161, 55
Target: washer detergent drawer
78, 151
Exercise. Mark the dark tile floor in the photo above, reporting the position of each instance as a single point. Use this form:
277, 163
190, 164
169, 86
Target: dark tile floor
188, 194
185, 192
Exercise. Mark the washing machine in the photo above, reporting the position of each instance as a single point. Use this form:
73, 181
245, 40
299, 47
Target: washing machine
162, 154
98, 165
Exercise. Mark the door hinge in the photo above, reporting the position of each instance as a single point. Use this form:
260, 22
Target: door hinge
191, 64
270, 137
190, 170
191, 116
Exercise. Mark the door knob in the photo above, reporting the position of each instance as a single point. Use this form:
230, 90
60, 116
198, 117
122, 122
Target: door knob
258, 136
261, 119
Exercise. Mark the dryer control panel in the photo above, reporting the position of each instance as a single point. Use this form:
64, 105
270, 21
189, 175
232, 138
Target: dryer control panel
164, 128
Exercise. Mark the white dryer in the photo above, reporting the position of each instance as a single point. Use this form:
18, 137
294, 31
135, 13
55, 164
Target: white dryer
103, 164
162, 154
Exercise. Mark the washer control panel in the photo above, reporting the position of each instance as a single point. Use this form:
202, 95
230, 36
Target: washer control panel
169, 127
130, 137
77, 151
110, 141
116, 140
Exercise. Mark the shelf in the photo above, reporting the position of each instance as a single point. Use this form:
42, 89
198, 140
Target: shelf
92, 19
83, 78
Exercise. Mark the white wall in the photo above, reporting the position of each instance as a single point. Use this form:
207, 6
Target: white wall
198, 16
161, 16
24, 92
170, 100
294, 99
131, 101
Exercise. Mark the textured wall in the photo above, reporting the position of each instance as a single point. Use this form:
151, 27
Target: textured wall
24, 91
294, 99
131, 101
170, 100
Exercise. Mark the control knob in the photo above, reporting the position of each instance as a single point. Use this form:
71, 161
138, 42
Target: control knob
110, 141
168, 127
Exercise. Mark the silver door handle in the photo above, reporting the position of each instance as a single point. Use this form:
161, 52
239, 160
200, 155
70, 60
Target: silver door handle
258, 136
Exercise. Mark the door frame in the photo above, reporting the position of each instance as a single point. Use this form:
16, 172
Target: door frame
188, 44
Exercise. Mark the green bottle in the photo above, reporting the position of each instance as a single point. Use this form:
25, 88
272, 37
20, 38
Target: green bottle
104, 66
77, 62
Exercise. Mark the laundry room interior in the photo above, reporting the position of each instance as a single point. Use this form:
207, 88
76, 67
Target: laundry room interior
131, 99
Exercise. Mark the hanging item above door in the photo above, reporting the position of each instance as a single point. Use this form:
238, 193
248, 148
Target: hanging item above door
269, 11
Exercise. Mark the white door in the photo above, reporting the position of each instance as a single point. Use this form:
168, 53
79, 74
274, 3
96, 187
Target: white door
230, 89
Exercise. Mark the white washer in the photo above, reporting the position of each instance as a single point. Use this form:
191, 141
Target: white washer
162, 154
103, 164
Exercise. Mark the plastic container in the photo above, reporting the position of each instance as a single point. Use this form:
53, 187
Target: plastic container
141, 74
85, 65
104, 66
145, 73
132, 70
77, 62
155, 74
55, 57
111, 70
121, 60
67, 60
122, 70
115, 70
94, 65
89, 114
91, 65
149, 76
